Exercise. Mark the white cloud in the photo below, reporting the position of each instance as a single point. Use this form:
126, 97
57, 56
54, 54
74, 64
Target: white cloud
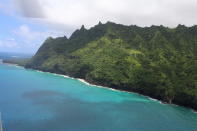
30, 36
29, 8
8, 43
24, 39
24, 32
64, 16
74, 13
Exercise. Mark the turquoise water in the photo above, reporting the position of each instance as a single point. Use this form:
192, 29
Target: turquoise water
36, 101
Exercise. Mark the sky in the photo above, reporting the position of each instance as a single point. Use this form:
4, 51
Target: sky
25, 24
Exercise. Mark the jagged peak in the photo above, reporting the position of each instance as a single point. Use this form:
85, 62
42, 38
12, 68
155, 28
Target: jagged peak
100, 23
76, 32
109, 22
181, 26
65, 37
49, 39
83, 27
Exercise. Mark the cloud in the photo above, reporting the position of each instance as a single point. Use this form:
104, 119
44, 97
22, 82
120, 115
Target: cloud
24, 32
74, 13
29, 8
62, 17
8, 43
25, 39
11, 45
28, 35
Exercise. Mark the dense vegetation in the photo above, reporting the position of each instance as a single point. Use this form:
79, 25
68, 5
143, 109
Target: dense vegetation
157, 61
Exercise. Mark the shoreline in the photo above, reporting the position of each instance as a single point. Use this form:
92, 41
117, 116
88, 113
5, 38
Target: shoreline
100, 86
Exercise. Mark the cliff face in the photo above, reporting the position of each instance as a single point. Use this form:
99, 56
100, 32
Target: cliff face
155, 61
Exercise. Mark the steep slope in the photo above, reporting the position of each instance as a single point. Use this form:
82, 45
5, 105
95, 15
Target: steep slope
155, 61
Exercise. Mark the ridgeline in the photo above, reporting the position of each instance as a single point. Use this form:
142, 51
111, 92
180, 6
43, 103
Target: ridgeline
156, 61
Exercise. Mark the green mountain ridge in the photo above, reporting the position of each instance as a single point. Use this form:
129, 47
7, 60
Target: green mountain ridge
156, 61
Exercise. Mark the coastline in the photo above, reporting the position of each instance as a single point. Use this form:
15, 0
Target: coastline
10, 64
100, 86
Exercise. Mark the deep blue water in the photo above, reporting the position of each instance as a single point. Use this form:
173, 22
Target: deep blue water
36, 101
10, 55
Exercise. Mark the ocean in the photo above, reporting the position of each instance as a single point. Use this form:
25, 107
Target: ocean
10, 55
35, 101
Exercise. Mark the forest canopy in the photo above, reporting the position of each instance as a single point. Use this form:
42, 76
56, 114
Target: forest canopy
157, 61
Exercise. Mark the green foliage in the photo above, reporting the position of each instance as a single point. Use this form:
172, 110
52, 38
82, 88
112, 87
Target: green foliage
155, 61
